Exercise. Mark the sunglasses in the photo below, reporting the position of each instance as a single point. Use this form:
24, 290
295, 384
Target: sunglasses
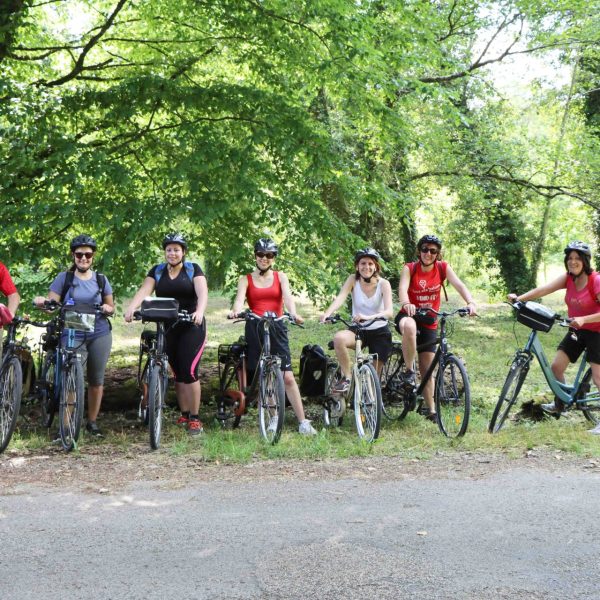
268, 255
433, 251
80, 255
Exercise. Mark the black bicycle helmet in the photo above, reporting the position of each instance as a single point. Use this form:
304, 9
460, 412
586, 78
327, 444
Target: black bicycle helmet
367, 252
580, 247
83, 240
266, 245
430, 239
174, 238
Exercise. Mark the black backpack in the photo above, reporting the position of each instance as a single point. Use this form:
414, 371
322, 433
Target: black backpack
313, 371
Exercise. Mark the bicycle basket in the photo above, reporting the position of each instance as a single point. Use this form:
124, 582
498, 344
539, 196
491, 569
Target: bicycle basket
228, 352
536, 316
159, 309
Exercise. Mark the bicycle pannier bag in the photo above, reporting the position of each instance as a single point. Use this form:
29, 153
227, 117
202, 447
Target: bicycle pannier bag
159, 309
536, 316
313, 371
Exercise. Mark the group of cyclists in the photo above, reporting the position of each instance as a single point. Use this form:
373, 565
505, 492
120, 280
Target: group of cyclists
267, 290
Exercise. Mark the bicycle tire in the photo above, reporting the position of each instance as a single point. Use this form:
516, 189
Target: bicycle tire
453, 398
334, 406
395, 405
592, 412
271, 403
367, 403
232, 403
11, 383
510, 391
45, 390
70, 408
156, 394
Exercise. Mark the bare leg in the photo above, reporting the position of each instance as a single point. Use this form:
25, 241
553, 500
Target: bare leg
425, 360
341, 342
188, 396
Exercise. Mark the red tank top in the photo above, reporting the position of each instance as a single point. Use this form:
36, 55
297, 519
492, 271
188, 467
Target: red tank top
581, 303
424, 289
261, 300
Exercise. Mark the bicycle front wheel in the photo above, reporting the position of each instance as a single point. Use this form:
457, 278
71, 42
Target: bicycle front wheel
70, 409
11, 380
508, 395
271, 403
395, 405
367, 403
453, 398
156, 398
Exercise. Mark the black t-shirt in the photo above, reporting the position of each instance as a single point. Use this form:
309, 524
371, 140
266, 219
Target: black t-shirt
181, 288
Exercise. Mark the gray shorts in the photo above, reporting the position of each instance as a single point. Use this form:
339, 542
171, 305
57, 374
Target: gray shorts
94, 355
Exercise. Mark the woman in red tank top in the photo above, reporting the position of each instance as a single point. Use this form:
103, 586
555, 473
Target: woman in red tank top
268, 290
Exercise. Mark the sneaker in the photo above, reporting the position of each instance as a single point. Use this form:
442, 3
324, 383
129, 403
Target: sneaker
341, 387
552, 408
195, 427
408, 379
595, 431
92, 427
272, 428
306, 428
182, 421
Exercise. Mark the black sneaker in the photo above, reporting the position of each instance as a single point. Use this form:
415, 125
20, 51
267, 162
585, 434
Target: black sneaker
92, 427
409, 379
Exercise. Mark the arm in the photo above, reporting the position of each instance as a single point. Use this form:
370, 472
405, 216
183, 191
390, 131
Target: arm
240, 297
405, 304
340, 298
13, 302
39, 300
288, 299
461, 288
108, 305
145, 290
201, 289
542, 290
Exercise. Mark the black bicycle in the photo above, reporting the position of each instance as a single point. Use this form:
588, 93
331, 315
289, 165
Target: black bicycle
266, 388
153, 378
452, 390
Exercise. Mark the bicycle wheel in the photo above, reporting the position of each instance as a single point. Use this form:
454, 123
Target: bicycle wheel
453, 398
334, 405
395, 405
271, 402
11, 380
156, 397
232, 403
510, 390
70, 411
45, 390
591, 411
367, 403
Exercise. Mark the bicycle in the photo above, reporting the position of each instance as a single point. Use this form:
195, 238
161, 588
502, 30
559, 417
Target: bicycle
452, 392
364, 389
153, 379
266, 389
60, 386
575, 396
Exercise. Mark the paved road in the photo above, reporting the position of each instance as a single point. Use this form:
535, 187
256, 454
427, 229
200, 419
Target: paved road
488, 538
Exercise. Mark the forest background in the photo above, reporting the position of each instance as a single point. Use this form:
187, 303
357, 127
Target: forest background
326, 124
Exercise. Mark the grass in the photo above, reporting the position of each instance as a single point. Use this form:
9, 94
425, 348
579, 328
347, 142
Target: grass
486, 344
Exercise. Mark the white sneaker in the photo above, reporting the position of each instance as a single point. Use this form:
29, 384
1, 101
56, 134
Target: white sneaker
306, 428
595, 431
272, 428
551, 408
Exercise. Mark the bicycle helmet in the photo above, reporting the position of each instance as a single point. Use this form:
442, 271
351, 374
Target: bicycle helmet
430, 239
83, 240
174, 238
580, 247
367, 252
266, 245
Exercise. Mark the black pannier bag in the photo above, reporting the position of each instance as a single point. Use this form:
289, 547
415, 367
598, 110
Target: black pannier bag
536, 316
159, 309
313, 371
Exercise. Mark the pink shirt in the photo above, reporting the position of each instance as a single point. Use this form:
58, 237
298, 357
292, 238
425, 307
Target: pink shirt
580, 302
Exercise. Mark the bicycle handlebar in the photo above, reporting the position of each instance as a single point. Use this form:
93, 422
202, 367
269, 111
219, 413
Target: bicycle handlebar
361, 325
560, 319
248, 315
461, 312
183, 315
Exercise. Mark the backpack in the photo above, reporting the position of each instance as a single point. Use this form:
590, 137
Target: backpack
313, 371
100, 278
160, 269
590, 286
441, 267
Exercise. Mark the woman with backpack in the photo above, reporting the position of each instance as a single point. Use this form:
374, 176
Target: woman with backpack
80, 285
184, 281
420, 285
582, 297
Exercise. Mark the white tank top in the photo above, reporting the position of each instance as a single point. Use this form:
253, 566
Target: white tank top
363, 305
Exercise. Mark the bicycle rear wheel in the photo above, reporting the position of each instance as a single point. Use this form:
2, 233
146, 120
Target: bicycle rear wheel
11, 380
45, 389
452, 398
367, 403
395, 404
334, 405
232, 402
71, 403
591, 411
156, 398
510, 390
271, 402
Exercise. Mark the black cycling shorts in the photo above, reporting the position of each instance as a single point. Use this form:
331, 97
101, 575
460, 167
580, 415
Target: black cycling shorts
184, 345
426, 338
280, 345
578, 340
378, 341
